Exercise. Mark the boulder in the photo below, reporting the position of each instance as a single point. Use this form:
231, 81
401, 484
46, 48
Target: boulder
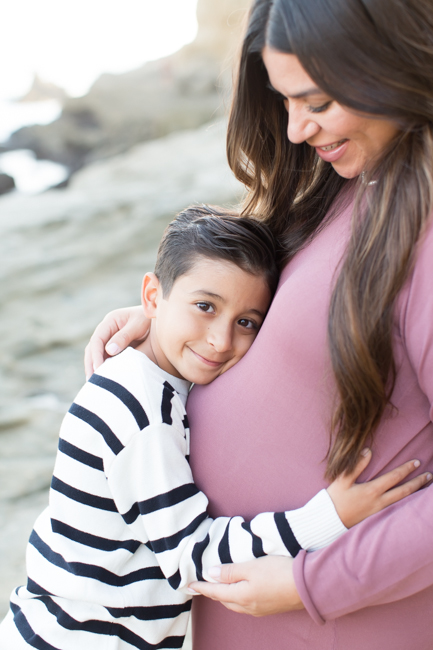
7, 183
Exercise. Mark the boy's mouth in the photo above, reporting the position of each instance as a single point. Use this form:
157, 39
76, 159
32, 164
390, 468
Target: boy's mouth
209, 362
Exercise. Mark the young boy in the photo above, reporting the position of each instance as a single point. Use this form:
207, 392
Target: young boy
126, 529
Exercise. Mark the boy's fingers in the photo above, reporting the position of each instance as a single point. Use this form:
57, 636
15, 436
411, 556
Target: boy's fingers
390, 479
402, 491
220, 592
362, 463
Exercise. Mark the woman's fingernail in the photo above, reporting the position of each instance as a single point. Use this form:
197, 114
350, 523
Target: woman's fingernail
429, 477
365, 452
192, 592
416, 463
112, 348
215, 572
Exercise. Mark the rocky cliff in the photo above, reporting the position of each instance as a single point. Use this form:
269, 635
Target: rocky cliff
182, 91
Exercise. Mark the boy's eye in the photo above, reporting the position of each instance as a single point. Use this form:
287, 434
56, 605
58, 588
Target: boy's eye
248, 324
206, 307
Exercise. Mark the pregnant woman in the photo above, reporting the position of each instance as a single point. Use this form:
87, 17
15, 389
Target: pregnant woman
331, 131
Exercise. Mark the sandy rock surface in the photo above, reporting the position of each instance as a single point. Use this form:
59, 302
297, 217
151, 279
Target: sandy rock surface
66, 258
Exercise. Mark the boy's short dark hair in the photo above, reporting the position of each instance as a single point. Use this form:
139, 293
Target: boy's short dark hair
209, 232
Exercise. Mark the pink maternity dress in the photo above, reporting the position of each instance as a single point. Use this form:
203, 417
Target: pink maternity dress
259, 438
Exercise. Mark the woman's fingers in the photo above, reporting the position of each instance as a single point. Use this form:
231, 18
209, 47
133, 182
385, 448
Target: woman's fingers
92, 360
130, 326
118, 329
95, 352
259, 587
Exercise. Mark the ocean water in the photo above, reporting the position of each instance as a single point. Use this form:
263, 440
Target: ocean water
14, 115
31, 176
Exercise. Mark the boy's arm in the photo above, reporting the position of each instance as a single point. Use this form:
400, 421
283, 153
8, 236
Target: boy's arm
152, 485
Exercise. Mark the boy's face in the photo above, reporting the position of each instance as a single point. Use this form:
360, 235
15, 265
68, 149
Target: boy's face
207, 323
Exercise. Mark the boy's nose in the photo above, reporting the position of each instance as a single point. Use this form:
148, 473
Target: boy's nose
220, 338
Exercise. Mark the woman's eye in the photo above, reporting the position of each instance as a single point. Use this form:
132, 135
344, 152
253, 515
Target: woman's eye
319, 109
248, 324
206, 307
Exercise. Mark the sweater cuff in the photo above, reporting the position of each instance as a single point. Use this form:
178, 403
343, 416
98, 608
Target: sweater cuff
298, 576
317, 524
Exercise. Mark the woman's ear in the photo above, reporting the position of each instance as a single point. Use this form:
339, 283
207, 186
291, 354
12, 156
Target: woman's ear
150, 294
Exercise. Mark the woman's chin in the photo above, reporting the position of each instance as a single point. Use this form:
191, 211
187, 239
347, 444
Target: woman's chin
350, 166
347, 171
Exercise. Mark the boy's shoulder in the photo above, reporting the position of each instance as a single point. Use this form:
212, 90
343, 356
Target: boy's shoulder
130, 380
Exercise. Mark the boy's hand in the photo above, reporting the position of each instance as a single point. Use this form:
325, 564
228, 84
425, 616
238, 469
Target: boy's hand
355, 502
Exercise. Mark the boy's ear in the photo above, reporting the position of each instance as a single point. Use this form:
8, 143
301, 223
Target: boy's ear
150, 294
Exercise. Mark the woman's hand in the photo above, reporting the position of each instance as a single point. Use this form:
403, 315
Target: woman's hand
260, 587
355, 502
120, 328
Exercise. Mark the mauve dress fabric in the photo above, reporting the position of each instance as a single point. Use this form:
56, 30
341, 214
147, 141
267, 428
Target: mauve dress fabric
259, 435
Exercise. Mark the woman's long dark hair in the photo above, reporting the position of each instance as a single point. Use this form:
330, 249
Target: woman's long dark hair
375, 57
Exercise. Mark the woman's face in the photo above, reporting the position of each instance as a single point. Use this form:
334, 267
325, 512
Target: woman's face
350, 141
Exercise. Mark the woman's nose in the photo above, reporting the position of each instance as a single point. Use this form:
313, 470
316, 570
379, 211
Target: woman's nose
301, 127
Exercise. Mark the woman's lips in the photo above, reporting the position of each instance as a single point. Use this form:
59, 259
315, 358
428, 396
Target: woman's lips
333, 151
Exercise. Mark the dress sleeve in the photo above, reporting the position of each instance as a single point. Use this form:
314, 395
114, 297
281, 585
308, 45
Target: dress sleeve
152, 485
389, 556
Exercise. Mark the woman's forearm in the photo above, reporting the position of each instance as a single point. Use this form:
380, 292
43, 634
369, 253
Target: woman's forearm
386, 558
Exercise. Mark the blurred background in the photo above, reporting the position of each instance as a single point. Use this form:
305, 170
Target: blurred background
112, 119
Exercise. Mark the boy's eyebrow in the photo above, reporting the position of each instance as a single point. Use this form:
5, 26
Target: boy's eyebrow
208, 293
218, 297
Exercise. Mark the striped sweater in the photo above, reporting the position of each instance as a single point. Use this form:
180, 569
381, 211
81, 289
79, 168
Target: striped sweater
126, 529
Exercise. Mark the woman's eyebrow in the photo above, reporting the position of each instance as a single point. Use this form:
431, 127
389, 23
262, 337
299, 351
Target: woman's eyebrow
314, 90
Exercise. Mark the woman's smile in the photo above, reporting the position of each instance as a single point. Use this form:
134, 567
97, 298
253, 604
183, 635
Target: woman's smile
332, 152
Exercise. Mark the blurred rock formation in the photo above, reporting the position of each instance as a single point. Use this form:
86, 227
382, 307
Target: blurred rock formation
42, 90
181, 91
